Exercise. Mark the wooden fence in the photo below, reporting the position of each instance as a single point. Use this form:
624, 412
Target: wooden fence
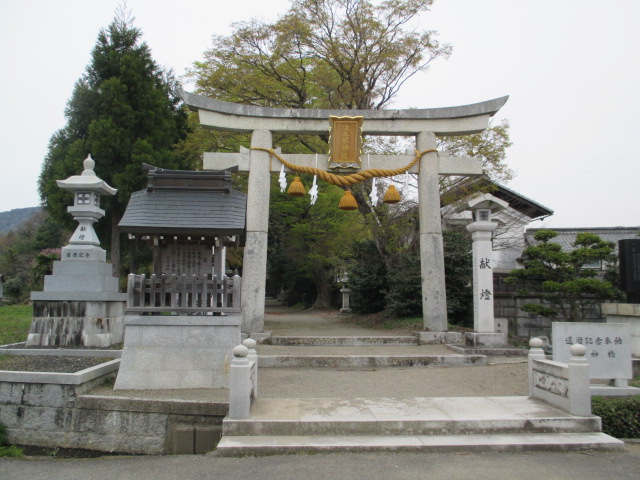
183, 294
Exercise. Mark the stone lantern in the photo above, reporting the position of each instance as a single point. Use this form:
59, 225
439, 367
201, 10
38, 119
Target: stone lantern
86, 189
80, 304
346, 292
483, 207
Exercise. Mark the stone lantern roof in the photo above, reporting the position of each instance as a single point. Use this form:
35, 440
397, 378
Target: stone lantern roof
484, 201
87, 181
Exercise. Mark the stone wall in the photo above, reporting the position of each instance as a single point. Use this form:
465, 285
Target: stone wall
523, 324
65, 415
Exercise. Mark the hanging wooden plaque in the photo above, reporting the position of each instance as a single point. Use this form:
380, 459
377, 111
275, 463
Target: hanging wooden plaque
345, 143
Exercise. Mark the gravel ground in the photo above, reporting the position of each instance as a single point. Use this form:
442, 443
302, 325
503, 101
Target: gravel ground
48, 363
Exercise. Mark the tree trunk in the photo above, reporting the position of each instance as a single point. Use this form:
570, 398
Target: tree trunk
115, 243
323, 279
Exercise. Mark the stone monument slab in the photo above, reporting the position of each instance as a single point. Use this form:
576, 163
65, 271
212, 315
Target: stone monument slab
608, 347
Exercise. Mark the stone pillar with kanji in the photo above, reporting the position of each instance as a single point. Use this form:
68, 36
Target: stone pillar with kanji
483, 206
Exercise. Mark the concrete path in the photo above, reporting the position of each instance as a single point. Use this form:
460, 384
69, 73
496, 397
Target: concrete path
290, 321
502, 375
622, 465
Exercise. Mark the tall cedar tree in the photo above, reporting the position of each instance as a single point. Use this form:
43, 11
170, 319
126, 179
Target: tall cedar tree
124, 111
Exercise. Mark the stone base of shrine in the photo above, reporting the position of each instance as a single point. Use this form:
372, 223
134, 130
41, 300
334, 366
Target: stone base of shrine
77, 319
430, 338
473, 339
177, 352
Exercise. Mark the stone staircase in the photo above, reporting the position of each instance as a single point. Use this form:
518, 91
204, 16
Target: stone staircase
312, 344
438, 424
358, 352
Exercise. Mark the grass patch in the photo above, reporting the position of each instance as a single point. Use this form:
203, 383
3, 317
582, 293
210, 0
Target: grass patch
11, 451
7, 450
15, 321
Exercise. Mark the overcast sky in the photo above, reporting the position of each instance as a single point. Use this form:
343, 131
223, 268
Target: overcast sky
570, 67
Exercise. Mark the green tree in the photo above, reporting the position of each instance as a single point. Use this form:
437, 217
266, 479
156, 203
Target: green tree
124, 111
561, 277
321, 54
25, 253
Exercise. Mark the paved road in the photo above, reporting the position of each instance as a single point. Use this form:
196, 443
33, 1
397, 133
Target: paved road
433, 466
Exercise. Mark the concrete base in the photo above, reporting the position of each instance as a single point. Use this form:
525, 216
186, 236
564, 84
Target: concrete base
173, 352
80, 305
500, 351
474, 339
611, 391
77, 323
430, 338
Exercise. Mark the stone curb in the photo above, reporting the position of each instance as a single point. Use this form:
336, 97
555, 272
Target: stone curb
63, 352
146, 405
76, 378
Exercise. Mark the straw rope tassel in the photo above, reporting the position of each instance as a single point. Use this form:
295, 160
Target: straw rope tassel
346, 180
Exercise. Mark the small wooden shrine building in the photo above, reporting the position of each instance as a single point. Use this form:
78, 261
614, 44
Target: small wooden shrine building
189, 218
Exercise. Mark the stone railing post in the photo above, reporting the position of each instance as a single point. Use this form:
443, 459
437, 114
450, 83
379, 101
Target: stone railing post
240, 384
535, 353
579, 381
236, 299
252, 356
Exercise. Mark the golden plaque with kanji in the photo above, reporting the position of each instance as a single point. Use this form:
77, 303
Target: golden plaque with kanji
345, 143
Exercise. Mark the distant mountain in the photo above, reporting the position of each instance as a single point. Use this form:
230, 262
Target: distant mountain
12, 219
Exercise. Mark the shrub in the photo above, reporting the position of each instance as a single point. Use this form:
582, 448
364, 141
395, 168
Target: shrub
367, 279
3, 436
405, 289
620, 416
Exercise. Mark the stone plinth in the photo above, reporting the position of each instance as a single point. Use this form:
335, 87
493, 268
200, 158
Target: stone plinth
177, 352
431, 338
87, 323
473, 339
80, 304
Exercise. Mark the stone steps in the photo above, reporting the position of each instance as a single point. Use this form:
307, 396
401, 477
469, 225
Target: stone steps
368, 361
358, 352
288, 425
283, 445
335, 341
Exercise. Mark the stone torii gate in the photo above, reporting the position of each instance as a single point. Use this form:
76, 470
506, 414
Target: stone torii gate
424, 124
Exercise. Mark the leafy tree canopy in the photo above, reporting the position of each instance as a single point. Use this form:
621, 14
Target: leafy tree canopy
321, 54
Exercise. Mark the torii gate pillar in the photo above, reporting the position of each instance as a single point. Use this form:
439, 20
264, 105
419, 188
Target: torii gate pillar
254, 272
434, 297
